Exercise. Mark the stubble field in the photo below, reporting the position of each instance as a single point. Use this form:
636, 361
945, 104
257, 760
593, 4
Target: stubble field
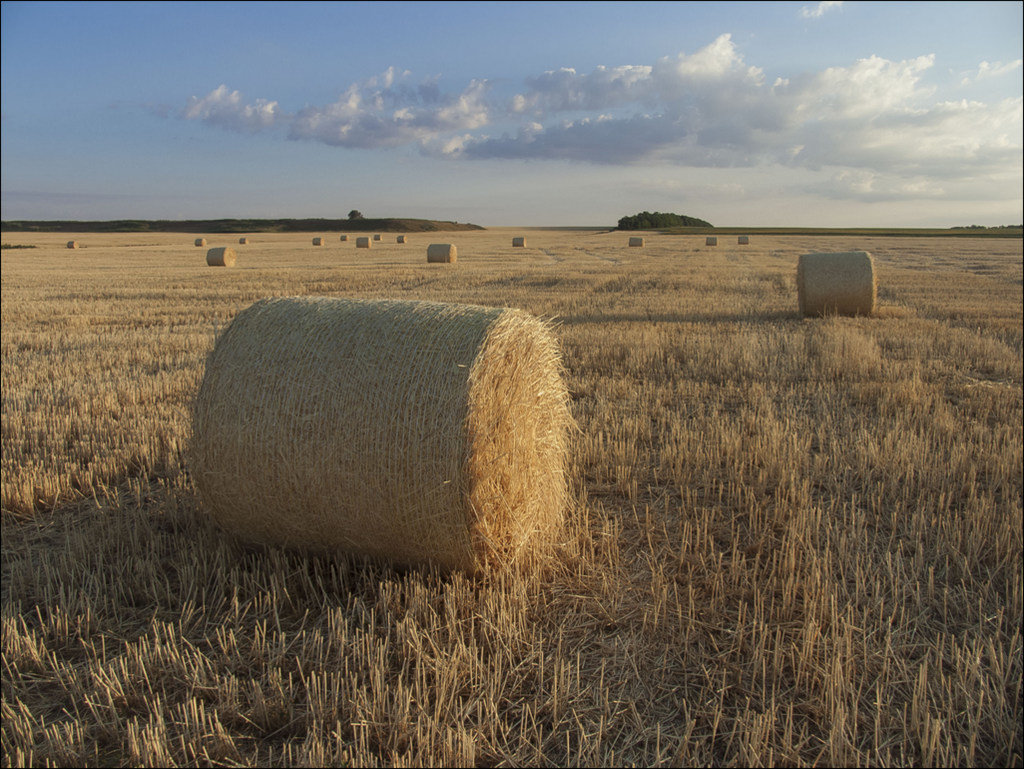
791, 541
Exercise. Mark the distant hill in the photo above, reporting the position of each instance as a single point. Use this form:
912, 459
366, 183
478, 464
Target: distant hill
238, 225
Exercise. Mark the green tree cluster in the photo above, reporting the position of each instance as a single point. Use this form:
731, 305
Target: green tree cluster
646, 220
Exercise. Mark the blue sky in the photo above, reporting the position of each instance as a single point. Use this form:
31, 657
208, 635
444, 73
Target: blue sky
786, 114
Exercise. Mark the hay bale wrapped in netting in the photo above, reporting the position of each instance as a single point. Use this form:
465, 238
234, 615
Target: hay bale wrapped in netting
518, 242
418, 432
362, 242
836, 284
743, 240
376, 237
318, 241
636, 242
72, 244
710, 241
221, 257
200, 241
442, 252
400, 239
344, 238
243, 241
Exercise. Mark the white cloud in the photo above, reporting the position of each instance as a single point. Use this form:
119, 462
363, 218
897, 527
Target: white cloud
382, 112
987, 70
392, 117
819, 10
224, 108
875, 125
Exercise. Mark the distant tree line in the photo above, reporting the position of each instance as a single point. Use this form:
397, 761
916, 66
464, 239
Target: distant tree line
984, 227
647, 220
211, 226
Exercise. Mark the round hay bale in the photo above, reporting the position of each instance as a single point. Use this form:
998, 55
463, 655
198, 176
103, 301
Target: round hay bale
318, 241
518, 242
72, 244
243, 241
376, 237
743, 240
417, 432
836, 284
200, 241
362, 242
221, 257
400, 239
344, 238
710, 241
442, 252
636, 242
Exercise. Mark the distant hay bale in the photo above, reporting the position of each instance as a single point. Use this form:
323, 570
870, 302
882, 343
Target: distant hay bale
400, 239
636, 242
362, 242
72, 244
518, 242
318, 241
200, 241
743, 240
836, 284
243, 241
710, 241
221, 257
442, 252
344, 238
417, 432
376, 237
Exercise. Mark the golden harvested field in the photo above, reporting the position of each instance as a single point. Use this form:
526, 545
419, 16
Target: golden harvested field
792, 541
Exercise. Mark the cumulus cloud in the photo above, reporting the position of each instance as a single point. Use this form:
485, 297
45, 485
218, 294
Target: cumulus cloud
384, 111
988, 69
874, 120
224, 108
819, 10
391, 118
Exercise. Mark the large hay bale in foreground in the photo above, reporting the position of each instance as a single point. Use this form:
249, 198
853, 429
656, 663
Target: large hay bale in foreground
710, 241
200, 241
518, 242
221, 257
636, 242
836, 284
743, 240
442, 252
362, 242
318, 241
418, 432
72, 244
